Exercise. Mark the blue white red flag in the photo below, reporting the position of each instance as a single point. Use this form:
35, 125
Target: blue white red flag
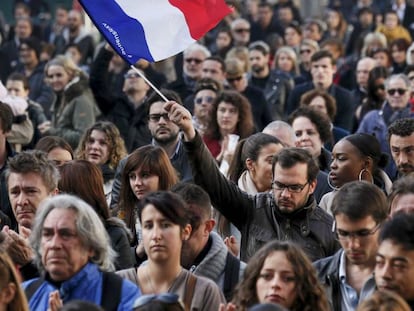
153, 29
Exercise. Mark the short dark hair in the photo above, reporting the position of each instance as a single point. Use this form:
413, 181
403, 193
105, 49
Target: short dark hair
198, 201
400, 230
218, 59
322, 54
17, 76
360, 199
155, 97
402, 127
171, 205
288, 157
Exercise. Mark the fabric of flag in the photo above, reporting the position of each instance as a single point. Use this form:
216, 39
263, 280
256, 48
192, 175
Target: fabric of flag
153, 29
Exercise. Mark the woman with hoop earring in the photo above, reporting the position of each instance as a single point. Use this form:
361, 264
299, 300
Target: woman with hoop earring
356, 157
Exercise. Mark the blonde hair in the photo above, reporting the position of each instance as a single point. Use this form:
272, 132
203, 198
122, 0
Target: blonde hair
292, 56
384, 301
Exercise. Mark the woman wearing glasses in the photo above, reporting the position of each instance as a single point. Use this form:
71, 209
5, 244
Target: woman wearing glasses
396, 106
165, 227
204, 97
356, 157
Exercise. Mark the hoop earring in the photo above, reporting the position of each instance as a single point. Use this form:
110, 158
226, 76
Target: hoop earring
329, 182
362, 172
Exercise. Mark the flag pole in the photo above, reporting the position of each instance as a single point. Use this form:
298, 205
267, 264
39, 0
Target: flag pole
149, 83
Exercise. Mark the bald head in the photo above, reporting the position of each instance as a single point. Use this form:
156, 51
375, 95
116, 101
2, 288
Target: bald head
364, 67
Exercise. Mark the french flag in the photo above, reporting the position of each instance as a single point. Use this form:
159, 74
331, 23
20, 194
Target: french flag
153, 29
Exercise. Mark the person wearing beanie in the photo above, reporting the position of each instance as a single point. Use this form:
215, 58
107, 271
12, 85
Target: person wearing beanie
33, 69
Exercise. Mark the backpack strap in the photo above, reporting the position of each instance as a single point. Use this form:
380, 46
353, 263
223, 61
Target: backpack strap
111, 291
33, 287
231, 275
189, 291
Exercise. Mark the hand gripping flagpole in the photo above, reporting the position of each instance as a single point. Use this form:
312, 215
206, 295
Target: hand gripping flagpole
149, 83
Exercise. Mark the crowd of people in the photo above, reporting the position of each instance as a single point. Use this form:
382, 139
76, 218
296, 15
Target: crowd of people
278, 175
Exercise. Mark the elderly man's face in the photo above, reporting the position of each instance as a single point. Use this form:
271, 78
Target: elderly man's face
63, 254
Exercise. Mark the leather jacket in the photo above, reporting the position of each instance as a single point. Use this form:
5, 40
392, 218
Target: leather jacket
257, 216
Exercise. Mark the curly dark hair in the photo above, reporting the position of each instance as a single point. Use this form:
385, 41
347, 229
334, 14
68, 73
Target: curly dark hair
245, 125
310, 293
321, 121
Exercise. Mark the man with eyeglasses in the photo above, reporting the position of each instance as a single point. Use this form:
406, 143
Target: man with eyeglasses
359, 209
307, 48
240, 31
401, 142
396, 106
126, 108
193, 58
288, 212
394, 268
275, 84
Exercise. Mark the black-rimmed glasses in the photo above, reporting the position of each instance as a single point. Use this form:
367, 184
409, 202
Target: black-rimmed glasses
291, 188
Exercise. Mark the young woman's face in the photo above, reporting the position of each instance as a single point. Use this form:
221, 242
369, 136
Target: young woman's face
398, 55
97, 149
162, 238
143, 182
346, 163
284, 62
227, 117
261, 169
277, 281
58, 78
333, 19
59, 156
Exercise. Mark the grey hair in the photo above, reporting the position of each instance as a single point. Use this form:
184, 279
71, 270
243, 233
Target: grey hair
273, 129
197, 47
89, 227
401, 76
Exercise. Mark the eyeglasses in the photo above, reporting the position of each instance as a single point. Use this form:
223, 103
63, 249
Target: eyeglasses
342, 235
291, 188
193, 60
400, 92
155, 117
207, 99
307, 51
230, 80
240, 30
411, 78
131, 75
167, 298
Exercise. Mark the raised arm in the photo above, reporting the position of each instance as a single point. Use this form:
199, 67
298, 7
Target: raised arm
226, 197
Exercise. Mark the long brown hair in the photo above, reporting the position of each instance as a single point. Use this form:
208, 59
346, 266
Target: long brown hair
84, 179
310, 294
9, 275
154, 160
